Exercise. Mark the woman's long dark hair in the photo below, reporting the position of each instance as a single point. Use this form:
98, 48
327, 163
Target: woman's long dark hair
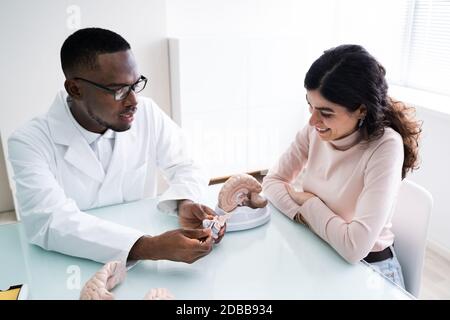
349, 76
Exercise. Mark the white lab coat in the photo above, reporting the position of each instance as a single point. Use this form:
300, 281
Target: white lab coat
57, 175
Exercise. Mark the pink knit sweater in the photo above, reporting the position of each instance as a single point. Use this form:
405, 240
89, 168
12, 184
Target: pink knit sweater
356, 184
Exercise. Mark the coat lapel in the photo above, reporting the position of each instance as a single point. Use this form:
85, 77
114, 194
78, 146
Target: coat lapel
81, 156
63, 131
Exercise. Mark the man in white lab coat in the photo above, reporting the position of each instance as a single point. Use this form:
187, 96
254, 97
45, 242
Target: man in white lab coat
98, 145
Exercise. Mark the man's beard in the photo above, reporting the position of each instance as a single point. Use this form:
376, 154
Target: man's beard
104, 123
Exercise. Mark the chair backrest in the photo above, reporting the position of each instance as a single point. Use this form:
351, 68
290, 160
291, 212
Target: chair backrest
410, 223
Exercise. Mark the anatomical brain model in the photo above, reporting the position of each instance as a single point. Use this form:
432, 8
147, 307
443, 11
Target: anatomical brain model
111, 274
241, 190
104, 280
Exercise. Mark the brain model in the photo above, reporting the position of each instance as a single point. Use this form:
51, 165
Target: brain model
159, 294
216, 224
111, 274
98, 287
241, 190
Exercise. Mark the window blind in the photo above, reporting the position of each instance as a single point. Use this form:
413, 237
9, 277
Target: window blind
428, 47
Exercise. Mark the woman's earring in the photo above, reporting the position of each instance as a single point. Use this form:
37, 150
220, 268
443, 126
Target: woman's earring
361, 121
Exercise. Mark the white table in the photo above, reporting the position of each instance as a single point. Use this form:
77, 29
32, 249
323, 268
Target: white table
279, 260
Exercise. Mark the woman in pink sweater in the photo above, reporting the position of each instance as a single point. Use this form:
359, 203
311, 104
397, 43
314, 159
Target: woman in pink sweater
355, 151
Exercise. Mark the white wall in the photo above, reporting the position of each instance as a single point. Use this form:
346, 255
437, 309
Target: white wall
6, 201
321, 24
239, 100
310, 20
434, 173
239, 92
32, 33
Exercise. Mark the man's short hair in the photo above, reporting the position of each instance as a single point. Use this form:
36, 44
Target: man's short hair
82, 47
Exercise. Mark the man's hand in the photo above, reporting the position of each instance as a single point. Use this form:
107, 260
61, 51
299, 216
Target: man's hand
298, 196
185, 245
191, 215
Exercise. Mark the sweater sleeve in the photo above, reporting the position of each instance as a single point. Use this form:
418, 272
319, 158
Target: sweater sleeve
382, 177
284, 172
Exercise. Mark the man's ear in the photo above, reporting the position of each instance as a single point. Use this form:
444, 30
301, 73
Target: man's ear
72, 89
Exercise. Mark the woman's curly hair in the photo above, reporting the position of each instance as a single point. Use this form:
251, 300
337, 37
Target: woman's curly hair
349, 76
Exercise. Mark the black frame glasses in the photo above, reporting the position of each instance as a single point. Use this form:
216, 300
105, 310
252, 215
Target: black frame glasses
122, 92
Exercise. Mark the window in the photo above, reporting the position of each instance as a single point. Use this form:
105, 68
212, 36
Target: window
411, 38
427, 46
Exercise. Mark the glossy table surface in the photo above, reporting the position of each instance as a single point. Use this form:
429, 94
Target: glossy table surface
278, 260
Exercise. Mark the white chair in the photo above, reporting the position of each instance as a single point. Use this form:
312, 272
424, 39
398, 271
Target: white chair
410, 225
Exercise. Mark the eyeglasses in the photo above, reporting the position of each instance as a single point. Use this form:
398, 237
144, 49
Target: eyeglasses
123, 92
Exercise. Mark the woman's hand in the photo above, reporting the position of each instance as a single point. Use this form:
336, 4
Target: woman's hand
299, 197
